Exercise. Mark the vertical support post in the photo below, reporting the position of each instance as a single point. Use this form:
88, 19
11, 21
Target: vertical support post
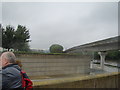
0, 35
102, 58
0, 53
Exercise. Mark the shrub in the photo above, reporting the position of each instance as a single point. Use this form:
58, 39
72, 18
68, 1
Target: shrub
56, 48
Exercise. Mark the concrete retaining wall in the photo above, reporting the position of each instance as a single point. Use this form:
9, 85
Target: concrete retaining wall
94, 81
36, 65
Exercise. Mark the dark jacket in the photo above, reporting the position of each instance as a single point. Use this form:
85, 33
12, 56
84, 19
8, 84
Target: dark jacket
11, 77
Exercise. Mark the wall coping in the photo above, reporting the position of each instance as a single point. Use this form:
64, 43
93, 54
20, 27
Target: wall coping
73, 79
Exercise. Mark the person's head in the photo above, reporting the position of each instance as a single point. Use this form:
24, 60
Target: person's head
7, 58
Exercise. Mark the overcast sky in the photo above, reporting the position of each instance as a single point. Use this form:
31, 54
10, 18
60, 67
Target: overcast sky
65, 23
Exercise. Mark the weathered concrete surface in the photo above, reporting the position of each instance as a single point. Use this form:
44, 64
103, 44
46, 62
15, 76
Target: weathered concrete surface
101, 45
92, 81
0, 35
40, 65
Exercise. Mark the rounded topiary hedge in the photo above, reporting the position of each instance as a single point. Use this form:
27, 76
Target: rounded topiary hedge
56, 48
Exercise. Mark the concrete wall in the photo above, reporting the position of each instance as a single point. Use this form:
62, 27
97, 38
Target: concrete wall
94, 81
36, 65
0, 35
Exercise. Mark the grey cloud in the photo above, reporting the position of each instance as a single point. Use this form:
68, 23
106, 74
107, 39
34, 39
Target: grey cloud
68, 24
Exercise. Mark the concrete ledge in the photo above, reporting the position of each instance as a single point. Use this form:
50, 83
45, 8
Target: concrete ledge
109, 80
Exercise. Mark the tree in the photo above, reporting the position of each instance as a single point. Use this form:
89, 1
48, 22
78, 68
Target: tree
17, 39
21, 38
56, 48
8, 37
113, 55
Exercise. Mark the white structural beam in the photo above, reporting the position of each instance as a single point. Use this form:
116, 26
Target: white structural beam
102, 58
102, 45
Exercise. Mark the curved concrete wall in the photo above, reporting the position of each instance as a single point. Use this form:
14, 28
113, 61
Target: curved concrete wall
36, 65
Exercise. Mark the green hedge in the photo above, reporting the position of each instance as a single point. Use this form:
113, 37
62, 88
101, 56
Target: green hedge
111, 55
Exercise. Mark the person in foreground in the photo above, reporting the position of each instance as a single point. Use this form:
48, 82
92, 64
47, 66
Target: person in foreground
11, 77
